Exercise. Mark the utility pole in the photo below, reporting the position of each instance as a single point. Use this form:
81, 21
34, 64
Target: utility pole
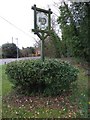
12, 39
16, 45
17, 48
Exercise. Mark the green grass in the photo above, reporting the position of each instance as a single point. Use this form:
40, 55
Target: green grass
0, 90
77, 100
38, 113
0, 80
6, 84
80, 92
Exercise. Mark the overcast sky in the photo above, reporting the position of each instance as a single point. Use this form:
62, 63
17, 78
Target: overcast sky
16, 20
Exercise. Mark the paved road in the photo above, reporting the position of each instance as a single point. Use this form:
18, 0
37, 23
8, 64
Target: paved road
5, 61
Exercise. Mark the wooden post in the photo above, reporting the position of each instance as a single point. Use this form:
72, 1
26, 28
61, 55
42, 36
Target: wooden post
42, 47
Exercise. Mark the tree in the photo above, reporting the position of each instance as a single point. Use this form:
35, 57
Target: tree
52, 45
74, 23
27, 52
0, 52
9, 50
57, 43
49, 48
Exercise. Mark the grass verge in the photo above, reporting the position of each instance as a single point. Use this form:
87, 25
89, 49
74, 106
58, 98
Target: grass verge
68, 105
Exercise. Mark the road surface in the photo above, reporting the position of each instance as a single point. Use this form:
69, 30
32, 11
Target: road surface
8, 60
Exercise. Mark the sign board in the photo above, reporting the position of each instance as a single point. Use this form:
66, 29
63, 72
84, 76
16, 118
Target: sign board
42, 25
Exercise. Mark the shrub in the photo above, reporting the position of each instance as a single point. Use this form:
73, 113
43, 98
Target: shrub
49, 78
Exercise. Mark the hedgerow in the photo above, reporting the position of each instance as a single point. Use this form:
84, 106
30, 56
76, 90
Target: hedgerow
48, 78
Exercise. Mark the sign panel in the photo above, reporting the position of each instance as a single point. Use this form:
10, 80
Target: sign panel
42, 21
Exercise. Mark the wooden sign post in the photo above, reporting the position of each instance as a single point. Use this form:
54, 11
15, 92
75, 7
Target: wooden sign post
42, 25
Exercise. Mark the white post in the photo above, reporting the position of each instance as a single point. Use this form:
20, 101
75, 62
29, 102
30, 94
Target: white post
17, 48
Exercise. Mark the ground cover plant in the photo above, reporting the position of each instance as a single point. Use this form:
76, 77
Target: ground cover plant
68, 105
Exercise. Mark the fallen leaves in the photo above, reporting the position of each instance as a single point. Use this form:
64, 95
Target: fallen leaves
47, 105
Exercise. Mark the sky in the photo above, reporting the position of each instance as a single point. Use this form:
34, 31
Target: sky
17, 20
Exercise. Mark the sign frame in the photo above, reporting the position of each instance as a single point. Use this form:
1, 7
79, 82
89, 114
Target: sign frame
42, 33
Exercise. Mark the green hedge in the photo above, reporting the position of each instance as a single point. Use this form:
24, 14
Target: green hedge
48, 78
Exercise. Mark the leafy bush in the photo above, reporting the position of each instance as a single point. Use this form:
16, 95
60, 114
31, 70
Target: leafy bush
49, 78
